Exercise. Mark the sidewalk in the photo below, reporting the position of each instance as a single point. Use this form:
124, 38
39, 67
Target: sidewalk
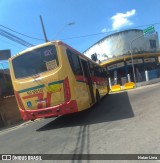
153, 81
144, 85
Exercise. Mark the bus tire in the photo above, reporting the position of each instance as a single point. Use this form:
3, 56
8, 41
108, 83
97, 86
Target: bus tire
97, 96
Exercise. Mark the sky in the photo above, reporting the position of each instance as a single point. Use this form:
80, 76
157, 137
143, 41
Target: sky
78, 23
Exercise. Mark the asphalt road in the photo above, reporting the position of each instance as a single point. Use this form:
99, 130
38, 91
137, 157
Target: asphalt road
123, 123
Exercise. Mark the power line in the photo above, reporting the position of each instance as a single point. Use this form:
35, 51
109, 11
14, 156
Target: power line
100, 33
10, 43
21, 33
14, 38
76, 37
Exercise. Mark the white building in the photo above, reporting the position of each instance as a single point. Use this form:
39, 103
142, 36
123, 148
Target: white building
115, 51
118, 44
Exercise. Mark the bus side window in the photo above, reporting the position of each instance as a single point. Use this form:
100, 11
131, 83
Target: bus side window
105, 72
75, 63
70, 59
96, 68
91, 66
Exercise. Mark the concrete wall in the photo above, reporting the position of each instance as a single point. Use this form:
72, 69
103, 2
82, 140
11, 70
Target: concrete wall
9, 111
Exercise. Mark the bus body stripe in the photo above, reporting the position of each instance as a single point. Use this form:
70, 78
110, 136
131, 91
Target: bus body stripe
56, 82
29, 89
40, 86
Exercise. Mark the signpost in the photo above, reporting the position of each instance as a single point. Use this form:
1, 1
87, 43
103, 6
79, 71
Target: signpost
149, 31
5, 54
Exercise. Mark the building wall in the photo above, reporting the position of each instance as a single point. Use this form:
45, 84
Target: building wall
121, 70
119, 44
6, 87
9, 113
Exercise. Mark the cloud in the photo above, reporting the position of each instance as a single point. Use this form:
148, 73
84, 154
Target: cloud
122, 19
104, 30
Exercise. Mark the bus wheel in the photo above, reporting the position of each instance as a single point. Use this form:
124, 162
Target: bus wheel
97, 96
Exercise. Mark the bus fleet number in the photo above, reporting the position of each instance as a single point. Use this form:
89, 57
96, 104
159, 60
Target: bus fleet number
40, 90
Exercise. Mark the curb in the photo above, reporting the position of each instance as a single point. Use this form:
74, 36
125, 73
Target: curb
20, 125
136, 88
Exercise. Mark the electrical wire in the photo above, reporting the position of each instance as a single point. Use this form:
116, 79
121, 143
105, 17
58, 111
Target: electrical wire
21, 33
4, 41
14, 38
94, 34
111, 31
25, 43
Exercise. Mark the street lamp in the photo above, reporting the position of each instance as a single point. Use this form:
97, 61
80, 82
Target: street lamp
68, 24
71, 23
132, 57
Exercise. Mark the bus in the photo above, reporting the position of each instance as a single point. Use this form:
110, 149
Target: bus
54, 79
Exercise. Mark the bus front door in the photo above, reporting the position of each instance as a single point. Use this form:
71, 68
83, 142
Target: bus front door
88, 78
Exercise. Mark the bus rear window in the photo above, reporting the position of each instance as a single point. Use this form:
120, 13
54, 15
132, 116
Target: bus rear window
35, 62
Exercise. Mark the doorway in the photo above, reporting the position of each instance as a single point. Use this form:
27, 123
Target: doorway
88, 77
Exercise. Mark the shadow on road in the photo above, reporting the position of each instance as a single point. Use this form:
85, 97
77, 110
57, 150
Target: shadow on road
112, 107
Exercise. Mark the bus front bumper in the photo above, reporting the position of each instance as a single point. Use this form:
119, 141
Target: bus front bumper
66, 108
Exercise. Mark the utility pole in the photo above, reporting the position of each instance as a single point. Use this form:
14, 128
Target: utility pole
132, 57
44, 33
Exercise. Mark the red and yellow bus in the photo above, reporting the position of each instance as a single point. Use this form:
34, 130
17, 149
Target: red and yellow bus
54, 79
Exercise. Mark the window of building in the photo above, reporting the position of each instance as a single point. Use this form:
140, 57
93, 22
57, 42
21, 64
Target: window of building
152, 44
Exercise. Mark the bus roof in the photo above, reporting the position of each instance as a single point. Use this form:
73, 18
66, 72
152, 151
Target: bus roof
58, 42
77, 52
30, 49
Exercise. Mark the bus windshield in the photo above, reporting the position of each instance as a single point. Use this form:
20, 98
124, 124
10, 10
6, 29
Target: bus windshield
35, 62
